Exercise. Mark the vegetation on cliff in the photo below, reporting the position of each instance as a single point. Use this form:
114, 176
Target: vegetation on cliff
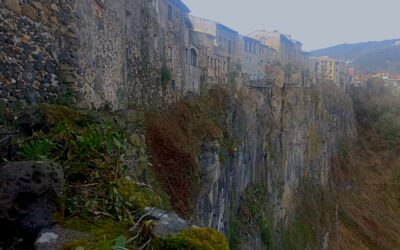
174, 138
108, 176
368, 173
194, 239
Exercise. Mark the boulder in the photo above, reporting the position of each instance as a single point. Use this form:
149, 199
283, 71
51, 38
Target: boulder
167, 223
30, 193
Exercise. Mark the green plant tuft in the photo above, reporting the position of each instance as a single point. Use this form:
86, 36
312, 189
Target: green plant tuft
37, 149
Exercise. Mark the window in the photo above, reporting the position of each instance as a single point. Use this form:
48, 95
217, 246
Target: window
155, 42
169, 12
193, 57
100, 2
173, 85
229, 46
169, 54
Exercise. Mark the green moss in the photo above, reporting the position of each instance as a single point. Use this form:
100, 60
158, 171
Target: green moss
102, 233
312, 143
234, 232
298, 235
138, 196
193, 239
57, 113
254, 204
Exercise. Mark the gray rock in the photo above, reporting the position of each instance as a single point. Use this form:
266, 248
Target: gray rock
29, 194
55, 237
28, 76
168, 223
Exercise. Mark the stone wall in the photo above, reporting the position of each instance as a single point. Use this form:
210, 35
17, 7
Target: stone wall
115, 54
124, 47
33, 45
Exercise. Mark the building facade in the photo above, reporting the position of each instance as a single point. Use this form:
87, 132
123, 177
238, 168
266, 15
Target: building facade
219, 48
288, 50
327, 69
257, 57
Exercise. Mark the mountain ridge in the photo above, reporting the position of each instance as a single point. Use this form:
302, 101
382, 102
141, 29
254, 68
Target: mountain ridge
366, 57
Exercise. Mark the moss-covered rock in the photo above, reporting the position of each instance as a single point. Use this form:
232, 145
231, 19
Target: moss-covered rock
194, 239
139, 196
102, 233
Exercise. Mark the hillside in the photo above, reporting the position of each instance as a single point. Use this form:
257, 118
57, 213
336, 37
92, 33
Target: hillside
366, 57
349, 52
382, 59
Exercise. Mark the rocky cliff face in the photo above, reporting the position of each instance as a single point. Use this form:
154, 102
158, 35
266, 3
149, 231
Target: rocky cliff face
280, 138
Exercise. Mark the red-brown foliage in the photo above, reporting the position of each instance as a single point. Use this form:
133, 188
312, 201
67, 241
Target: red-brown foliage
173, 140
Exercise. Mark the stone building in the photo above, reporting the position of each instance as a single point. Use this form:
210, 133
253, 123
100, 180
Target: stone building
256, 58
133, 52
289, 50
128, 53
327, 69
124, 54
219, 49
209, 62
251, 58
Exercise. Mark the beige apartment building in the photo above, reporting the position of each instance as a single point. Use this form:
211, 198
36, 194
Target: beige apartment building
327, 69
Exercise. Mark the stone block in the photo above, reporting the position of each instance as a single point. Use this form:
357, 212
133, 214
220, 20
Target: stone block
38, 5
13, 5
54, 7
29, 12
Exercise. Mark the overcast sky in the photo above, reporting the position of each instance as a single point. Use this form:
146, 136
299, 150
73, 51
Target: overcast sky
316, 23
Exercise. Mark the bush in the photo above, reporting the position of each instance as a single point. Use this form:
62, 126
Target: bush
377, 111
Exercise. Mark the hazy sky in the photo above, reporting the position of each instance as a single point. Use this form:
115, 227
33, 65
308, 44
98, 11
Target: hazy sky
316, 23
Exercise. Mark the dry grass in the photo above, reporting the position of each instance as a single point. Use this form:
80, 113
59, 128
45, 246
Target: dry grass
369, 198
173, 140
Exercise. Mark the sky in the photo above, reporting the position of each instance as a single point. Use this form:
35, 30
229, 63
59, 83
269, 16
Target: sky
316, 23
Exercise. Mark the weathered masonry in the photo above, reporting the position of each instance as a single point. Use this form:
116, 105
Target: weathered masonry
98, 52
130, 53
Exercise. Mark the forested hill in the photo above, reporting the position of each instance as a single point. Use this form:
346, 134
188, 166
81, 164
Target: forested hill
366, 57
351, 51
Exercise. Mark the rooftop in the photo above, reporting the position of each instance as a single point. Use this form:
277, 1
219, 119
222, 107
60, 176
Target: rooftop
180, 5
